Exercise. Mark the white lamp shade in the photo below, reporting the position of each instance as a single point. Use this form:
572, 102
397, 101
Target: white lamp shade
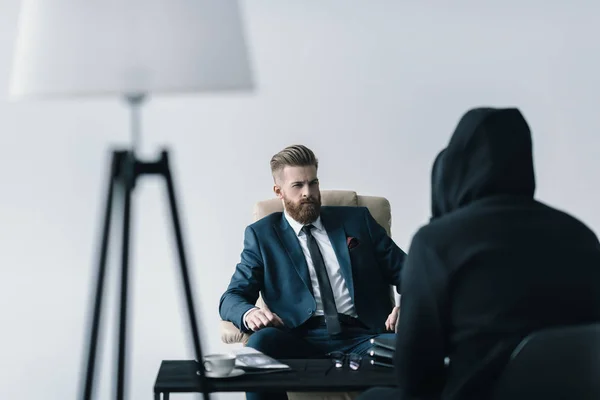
117, 47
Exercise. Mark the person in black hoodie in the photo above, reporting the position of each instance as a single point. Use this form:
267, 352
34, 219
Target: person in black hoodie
492, 266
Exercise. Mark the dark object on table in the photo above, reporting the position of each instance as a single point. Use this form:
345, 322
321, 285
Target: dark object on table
382, 352
384, 343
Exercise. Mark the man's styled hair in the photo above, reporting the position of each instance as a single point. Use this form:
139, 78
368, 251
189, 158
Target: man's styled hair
293, 156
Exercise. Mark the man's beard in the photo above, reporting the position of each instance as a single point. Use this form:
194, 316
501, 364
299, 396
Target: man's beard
305, 212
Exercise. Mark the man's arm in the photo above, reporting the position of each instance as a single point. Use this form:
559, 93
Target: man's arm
246, 283
389, 256
421, 337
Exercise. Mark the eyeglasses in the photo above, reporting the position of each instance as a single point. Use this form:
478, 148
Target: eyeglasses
339, 358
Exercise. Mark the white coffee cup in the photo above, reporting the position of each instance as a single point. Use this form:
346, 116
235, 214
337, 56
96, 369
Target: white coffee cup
219, 364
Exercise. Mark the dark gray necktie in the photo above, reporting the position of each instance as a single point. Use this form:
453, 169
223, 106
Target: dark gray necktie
327, 298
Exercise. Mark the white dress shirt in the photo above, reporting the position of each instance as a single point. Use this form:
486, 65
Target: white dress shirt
343, 301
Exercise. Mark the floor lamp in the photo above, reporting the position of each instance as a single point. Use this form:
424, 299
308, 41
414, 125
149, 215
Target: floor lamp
129, 49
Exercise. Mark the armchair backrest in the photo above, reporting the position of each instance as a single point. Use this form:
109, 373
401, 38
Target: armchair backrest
379, 207
554, 363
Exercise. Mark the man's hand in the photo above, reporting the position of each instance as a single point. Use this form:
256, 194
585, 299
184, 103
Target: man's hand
258, 319
390, 323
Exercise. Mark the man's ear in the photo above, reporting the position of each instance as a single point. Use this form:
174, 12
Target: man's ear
277, 191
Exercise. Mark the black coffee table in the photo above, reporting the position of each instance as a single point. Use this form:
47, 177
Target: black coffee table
311, 375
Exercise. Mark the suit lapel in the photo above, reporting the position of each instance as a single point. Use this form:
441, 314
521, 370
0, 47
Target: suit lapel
292, 246
337, 236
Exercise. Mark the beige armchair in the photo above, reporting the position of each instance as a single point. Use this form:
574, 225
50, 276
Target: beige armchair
381, 211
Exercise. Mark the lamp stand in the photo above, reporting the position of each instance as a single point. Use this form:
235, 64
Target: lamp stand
125, 169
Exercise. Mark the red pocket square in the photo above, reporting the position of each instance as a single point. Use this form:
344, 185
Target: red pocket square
352, 242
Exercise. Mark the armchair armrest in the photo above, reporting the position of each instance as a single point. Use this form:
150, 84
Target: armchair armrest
230, 334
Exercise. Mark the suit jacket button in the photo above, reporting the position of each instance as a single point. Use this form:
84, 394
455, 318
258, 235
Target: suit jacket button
310, 311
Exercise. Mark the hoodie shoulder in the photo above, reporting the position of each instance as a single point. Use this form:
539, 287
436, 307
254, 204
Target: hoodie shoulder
575, 222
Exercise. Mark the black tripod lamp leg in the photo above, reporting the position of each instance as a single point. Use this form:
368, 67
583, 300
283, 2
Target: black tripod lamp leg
183, 264
101, 274
128, 174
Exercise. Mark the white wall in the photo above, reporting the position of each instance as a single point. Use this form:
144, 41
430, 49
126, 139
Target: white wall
374, 87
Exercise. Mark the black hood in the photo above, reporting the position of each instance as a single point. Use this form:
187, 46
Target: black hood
489, 154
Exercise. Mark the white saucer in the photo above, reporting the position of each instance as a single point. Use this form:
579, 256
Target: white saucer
234, 372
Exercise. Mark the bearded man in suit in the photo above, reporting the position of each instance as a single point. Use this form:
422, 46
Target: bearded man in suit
324, 272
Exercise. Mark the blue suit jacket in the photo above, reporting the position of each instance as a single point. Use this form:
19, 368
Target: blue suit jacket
273, 263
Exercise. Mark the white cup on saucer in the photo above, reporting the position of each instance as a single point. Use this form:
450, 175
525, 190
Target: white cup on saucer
219, 365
